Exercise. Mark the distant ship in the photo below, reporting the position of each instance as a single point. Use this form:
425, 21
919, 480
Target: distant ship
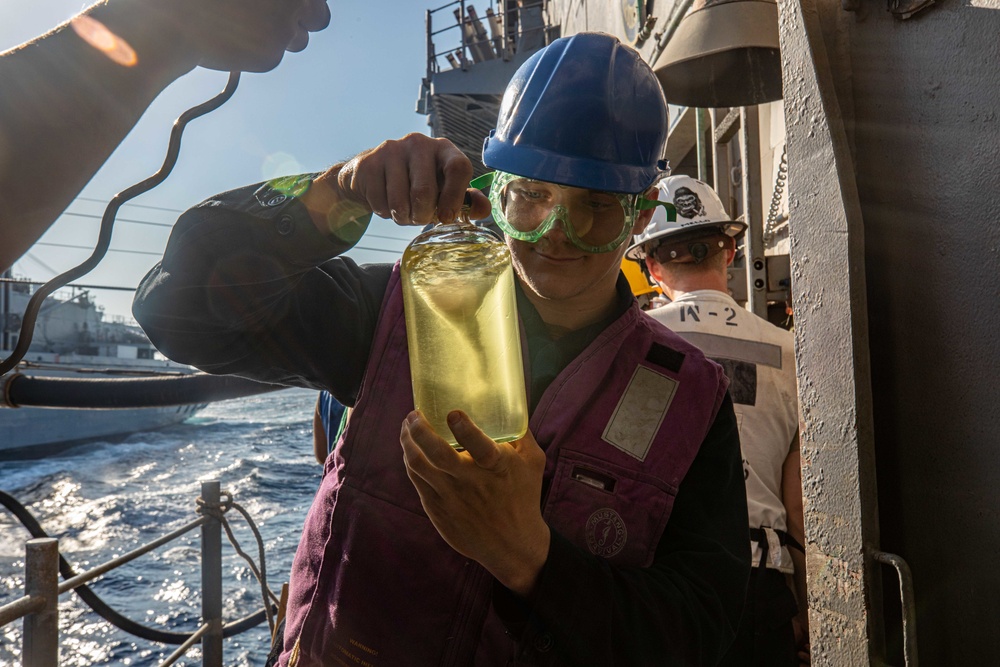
74, 338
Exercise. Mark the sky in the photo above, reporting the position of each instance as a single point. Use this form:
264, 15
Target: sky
354, 86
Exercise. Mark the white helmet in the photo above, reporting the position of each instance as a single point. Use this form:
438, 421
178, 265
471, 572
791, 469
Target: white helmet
698, 207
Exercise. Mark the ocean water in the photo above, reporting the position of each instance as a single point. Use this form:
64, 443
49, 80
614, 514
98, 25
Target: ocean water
104, 499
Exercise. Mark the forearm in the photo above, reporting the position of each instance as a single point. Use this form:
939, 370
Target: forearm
64, 107
791, 496
245, 288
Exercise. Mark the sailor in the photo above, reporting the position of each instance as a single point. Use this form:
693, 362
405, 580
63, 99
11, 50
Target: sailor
614, 532
688, 257
328, 422
69, 97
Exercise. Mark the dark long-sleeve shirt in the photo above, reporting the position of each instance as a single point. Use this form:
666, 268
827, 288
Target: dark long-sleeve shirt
248, 286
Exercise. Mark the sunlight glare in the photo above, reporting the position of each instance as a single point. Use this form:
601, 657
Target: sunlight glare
280, 164
98, 36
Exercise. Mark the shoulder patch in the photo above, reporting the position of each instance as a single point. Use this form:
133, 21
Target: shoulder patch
665, 357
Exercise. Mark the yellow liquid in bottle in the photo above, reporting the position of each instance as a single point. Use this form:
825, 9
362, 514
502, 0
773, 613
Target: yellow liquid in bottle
463, 337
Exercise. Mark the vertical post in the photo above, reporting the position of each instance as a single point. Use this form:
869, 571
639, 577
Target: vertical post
432, 65
753, 211
4, 309
721, 164
508, 51
462, 20
41, 629
211, 579
830, 298
700, 118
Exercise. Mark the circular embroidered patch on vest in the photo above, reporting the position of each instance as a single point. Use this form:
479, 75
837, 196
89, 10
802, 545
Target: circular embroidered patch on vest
606, 533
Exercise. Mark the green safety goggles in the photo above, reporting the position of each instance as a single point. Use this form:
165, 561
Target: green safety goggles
595, 221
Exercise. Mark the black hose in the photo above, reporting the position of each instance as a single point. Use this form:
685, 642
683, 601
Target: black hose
143, 392
102, 608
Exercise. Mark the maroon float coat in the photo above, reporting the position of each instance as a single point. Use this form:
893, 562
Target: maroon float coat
373, 584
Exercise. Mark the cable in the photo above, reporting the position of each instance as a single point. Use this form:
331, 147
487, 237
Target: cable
84, 247
108, 221
16, 281
133, 221
155, 208
160, 254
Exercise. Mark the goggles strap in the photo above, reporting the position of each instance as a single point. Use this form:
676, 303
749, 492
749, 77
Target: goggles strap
483, 182
643, 204
693, 251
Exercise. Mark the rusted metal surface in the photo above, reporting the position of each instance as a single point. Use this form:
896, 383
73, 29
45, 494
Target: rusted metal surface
40, 646
831, 339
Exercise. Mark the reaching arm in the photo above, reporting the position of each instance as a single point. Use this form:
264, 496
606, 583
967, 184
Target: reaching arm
247, 287
68, 98
319, 435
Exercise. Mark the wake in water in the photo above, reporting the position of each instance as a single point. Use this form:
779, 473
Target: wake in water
102, 500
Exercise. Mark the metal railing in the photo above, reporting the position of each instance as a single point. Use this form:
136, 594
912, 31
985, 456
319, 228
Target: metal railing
39, 606
506, 28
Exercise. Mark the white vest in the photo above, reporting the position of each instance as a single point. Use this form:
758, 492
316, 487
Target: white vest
760, 361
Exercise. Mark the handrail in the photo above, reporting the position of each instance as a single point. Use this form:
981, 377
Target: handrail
485, 43
91, 574
183, 648
20, 608
39, 608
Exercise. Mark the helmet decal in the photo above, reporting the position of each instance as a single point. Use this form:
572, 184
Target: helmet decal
688, 203
699, 210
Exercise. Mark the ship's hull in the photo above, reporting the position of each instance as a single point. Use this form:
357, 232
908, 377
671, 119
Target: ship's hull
23, 428
32, 430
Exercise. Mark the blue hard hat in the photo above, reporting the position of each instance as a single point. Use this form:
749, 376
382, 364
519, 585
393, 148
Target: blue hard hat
585, 111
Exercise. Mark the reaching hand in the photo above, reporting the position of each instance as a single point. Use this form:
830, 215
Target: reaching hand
414, 181
485, 502
246, 35
800, 625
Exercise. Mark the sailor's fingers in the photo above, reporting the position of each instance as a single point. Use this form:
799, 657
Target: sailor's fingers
425, 452
454, 173
399, 179
245, 35
479, 204
486, 453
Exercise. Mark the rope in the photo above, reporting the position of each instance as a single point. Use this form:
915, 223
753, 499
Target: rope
218, 512
104, 610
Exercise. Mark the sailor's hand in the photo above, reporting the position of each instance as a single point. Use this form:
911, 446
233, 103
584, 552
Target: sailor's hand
245, 35
485, 502
800, 626
415, 180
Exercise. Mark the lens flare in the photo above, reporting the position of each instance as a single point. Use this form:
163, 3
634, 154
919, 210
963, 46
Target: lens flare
280, 164
98, 36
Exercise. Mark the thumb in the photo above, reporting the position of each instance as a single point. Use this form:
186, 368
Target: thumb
484, 451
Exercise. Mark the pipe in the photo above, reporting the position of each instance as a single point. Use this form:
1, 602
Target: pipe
679, 12
104, 393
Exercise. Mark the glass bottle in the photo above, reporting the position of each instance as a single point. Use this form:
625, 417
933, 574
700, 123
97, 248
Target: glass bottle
462, 330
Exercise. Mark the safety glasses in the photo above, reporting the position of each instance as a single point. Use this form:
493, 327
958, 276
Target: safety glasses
594, 220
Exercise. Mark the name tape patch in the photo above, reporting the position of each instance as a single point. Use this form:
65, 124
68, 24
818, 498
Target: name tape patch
640, 411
